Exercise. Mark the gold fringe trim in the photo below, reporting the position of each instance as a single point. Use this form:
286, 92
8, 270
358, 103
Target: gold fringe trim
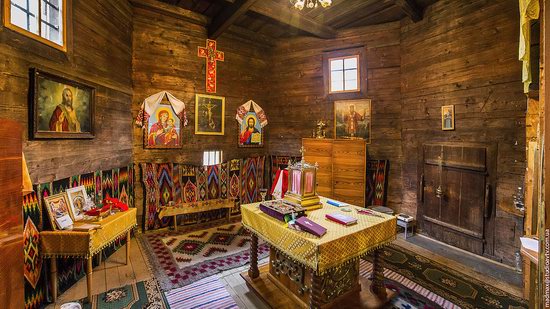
315, 267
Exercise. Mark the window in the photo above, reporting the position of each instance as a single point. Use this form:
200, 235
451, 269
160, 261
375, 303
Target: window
42, 20
212, 157
344, 74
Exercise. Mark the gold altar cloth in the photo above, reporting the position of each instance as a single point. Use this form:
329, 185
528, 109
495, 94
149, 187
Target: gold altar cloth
87, 243
341, 244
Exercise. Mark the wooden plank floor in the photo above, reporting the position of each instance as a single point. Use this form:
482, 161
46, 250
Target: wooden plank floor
112, 273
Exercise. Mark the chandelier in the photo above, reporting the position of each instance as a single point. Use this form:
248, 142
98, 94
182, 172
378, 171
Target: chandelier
310, 4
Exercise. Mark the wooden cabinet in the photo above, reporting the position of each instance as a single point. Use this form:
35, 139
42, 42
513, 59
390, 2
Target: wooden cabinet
11, 216
342, 173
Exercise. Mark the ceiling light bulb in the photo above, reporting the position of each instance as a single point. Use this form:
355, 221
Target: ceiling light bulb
299, 5
325, 3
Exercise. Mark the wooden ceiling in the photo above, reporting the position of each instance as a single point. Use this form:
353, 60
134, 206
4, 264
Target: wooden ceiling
278, 19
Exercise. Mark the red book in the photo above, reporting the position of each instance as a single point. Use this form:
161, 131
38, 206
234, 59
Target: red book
340, 218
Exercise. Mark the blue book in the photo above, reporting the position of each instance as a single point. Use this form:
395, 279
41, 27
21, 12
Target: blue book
336, 203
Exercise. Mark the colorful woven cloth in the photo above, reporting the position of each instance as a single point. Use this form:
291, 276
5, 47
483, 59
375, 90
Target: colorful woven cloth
143, 294
86, 244
339, 245
181, 258
252, 179
206, 293
377, 182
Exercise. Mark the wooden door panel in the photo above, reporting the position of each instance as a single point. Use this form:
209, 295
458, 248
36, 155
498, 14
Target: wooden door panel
431, 205
451, 181
472, 203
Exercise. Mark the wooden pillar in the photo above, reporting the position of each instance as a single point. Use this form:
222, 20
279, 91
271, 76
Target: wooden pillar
89, 268
175, 222
128, 247
253, 271
315, 293
53, 277
378, 288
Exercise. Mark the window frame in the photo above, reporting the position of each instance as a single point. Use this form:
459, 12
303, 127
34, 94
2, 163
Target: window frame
357, 57
6, 13
214, 153
360, 53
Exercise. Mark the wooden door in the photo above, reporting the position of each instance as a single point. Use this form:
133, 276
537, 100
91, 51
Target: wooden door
457, 197
11, 217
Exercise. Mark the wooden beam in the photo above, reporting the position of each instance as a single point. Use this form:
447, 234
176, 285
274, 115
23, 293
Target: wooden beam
171, 10
292, 17
252, 36
227, 17
411, 9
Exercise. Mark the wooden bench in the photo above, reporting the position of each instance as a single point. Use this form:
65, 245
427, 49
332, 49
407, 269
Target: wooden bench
196, 207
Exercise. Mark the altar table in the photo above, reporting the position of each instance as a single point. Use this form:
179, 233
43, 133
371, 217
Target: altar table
319, 272
85, 244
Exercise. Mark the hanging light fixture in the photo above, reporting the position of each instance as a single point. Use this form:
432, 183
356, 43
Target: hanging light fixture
310, 4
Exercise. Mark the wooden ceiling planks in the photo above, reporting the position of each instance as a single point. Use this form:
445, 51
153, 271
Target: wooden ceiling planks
277, 18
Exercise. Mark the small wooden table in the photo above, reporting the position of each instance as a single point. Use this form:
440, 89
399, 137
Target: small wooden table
196, 207
306, 271
85, 244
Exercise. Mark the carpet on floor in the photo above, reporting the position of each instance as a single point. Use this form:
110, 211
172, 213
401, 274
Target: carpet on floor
181, 258
143, 294
455, 287
207, 293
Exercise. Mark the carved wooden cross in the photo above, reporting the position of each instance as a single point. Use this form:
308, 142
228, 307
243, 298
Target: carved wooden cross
212, 56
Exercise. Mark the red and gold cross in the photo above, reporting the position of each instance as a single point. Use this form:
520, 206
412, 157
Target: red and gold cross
212, 55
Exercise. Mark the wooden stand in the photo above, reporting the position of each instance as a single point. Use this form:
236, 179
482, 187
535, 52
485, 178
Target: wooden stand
89, 272
285, 284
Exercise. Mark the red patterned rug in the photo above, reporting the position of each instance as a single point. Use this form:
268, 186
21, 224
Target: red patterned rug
181, 258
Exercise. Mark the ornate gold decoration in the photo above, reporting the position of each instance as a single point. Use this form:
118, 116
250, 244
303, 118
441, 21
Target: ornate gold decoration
338, 281
282, 265
310, 4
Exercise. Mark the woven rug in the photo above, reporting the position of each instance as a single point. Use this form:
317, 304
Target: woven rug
208, 293
181, 258
444, 284
144, 294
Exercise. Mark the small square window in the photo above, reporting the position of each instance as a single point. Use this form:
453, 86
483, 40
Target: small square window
42, 20
212, 157
344, 74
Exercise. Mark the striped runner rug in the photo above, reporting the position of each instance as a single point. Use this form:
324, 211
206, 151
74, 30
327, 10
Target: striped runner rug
365, 270
208, 293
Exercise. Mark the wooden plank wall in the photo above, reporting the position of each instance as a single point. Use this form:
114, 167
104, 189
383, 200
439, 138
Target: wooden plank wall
298, 98
165, 58
100, 54
465, 53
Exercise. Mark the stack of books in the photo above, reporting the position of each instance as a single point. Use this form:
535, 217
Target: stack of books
282, 210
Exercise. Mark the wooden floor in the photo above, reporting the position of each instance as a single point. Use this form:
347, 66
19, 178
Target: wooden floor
112, 273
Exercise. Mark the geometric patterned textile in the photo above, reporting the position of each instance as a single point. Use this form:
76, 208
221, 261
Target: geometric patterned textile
456, 287
151, 194
224, 175
69, 270
123, 185
235, 183
183, 257
32, 260
165, 183
213, 174
251, 179
107, 184
189, 183
116, 183
178, 189
143, 294
98, 186
202, 184
377, 182
206, 293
